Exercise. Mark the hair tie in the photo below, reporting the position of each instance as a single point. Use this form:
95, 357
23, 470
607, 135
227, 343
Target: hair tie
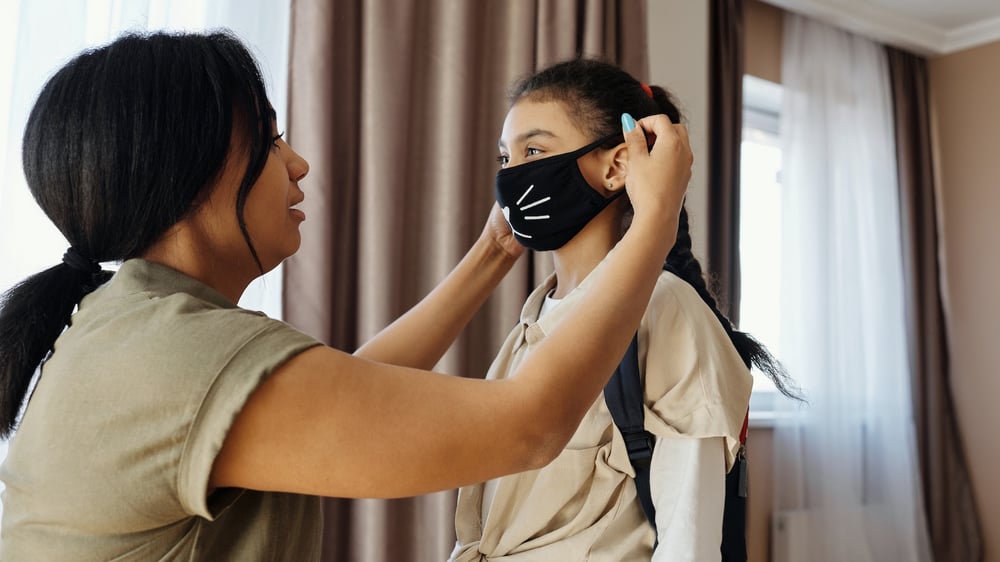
647, 89
75, 260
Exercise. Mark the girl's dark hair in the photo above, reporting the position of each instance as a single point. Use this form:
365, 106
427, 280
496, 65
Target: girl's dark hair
123, 142
595, 94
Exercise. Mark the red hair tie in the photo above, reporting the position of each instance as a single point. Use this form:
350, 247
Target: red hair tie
647, 89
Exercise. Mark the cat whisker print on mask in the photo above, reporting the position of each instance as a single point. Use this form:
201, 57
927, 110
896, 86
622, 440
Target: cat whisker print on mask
558, 182
506, 215
532, 204
525, 194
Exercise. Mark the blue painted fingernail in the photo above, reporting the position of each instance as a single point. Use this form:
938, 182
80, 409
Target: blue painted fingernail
627, 122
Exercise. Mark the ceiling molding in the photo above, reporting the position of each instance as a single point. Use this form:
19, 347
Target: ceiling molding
889, 27
972, 35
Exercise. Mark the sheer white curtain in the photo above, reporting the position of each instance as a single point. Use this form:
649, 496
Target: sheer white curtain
846, 469
38, 36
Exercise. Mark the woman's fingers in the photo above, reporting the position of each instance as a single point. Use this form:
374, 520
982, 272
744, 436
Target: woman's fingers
658, 175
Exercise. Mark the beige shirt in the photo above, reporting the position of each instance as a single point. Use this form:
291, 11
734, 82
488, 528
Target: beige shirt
112, 458
583, 505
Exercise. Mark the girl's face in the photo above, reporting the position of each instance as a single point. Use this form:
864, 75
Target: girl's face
539, 129
563, 204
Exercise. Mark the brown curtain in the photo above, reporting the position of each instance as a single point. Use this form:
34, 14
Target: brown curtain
397, 106
725, 130
951, 514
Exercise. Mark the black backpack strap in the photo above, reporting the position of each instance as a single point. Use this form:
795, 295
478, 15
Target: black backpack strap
624, 397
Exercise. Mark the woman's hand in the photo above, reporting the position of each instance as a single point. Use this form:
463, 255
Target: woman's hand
421, 337
497, 229
657, 177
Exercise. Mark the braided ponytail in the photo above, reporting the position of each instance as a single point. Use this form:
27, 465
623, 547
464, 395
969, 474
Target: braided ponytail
682, 263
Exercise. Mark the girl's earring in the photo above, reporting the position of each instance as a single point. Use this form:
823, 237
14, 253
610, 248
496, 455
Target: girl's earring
610, 185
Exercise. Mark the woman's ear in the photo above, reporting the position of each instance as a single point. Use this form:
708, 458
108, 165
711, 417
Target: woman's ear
617, 169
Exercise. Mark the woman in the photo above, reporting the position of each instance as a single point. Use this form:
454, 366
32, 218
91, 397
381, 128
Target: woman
565, 172
167, 423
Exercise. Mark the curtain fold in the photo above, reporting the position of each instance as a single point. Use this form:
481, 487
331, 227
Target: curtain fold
397, 106
726, 30
952, 521
846, 468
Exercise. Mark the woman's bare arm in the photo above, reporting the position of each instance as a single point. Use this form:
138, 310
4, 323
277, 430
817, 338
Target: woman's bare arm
421, 337
331, 424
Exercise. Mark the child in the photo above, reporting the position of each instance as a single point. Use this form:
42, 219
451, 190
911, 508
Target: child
561, 187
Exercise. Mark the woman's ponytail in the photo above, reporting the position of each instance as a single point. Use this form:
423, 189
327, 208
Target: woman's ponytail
32, 315
114, 164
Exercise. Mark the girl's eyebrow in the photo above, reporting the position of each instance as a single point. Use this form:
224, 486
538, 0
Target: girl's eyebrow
528, 135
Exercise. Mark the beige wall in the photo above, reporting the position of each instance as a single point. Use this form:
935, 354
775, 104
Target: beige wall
678, 61
762, 40
965, 88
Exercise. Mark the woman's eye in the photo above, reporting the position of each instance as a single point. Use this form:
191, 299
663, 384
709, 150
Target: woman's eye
503, 160
276, 138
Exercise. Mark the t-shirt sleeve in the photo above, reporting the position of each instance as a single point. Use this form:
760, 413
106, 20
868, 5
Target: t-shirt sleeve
697, 386
264, 344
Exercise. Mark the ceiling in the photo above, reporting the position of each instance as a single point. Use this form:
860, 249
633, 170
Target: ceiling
931, 27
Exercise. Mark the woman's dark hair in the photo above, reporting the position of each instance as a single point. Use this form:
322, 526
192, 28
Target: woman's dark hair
123, 142
595, 94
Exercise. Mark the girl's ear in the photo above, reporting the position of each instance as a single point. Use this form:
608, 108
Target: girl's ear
617, 169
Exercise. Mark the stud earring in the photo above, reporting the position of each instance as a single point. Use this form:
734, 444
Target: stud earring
610, 185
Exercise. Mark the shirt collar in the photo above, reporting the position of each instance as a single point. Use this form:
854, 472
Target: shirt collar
137, 276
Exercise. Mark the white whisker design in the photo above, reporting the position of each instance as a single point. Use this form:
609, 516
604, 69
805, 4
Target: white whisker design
525, 194
535, 217
506, 215
535, 204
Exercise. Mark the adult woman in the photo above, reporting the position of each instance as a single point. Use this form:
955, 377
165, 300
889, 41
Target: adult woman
565, 168
167, 422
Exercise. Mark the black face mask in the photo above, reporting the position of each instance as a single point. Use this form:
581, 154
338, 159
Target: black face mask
547, 202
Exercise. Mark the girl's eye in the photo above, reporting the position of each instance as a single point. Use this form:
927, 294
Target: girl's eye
276, 138
503, 160
528, 153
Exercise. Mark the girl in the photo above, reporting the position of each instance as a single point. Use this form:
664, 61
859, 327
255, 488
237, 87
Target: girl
167, 423
565, 173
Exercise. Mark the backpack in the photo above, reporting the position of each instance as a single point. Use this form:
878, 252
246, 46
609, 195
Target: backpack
624, 397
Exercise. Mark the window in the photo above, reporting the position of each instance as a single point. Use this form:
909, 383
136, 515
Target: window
760, 228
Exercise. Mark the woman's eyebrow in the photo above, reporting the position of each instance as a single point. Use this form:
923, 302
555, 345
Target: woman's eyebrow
529, 135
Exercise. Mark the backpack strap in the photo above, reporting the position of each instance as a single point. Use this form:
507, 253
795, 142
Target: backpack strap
624, 396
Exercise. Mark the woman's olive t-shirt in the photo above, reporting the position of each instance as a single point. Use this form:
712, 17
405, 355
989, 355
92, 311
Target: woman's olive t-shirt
112, 458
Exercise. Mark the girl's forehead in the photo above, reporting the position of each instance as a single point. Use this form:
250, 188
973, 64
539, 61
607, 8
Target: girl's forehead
528, 116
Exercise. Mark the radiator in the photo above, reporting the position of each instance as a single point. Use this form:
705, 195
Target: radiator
788, 536
796, 535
